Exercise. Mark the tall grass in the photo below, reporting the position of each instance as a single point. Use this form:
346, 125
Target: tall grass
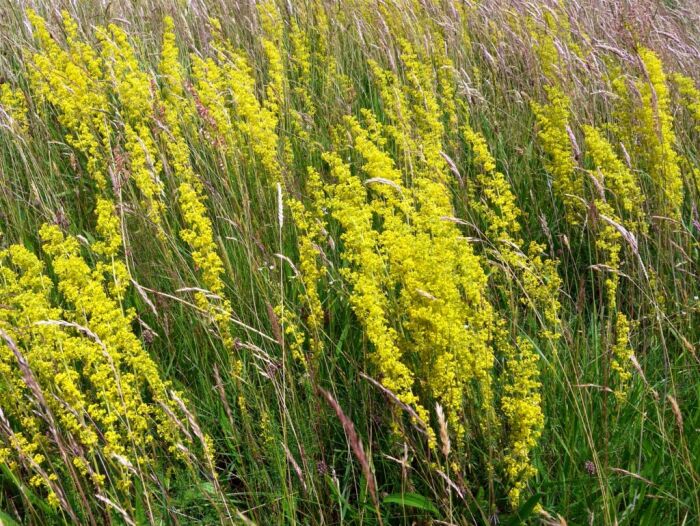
349, 262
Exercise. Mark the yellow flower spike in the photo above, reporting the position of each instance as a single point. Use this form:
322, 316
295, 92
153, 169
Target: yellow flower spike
690, 95
310, 224
301, 57
95, 377
72, 81
657, 135
133, 89
294, 337
396, 107
211, 86
256, 122
302, 72
108, 228
226, 90
145, 170
543, 43
553, 119
621, 362
169, 66
131, 84
198, 232
95, 309
420, 90
177, 105
501, 210
522, 406
445, 313
366, 274
275, 91
617, 177
199, 235
13, 105
109, 248
540, 280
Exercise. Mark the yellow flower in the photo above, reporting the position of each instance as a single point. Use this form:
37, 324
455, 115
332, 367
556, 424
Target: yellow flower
198, 232
522, 406
658, 140
621, 363
445, 313
366, 274
13, 104
133, 89
310, 225
98, 382
552, 120
72, 81
617, 178
690, 95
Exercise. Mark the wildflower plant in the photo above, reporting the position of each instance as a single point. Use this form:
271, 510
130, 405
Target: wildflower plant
349, 262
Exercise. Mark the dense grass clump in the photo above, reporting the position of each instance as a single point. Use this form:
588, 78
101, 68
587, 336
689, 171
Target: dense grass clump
349, 262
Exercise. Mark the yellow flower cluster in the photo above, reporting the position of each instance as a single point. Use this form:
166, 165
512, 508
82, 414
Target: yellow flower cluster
72, 81
616, 178
257, 123
226, 90
521, 401
198, 232
553, 120
212, 89
367, 275
622, 356
540, 281
178, 108
623, 123
109, 247
444, 317
200, 236
94, 386
658, 140
522, 406
424, 111
690, 93
544, 45
133, 89
619, 205
310, 225
542, 286
501, 209
272, 41
301, 59
552, 40
396, 108
690, 98
13, 104
122, 69
92, 308
294, 337
609, 244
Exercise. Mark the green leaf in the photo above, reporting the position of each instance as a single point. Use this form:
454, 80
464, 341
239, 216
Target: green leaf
6, 520
525, 511
411, 500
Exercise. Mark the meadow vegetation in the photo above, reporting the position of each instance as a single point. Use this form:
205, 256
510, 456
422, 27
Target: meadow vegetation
349, 262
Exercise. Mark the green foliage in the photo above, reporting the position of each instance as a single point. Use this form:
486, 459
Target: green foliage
313, 222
